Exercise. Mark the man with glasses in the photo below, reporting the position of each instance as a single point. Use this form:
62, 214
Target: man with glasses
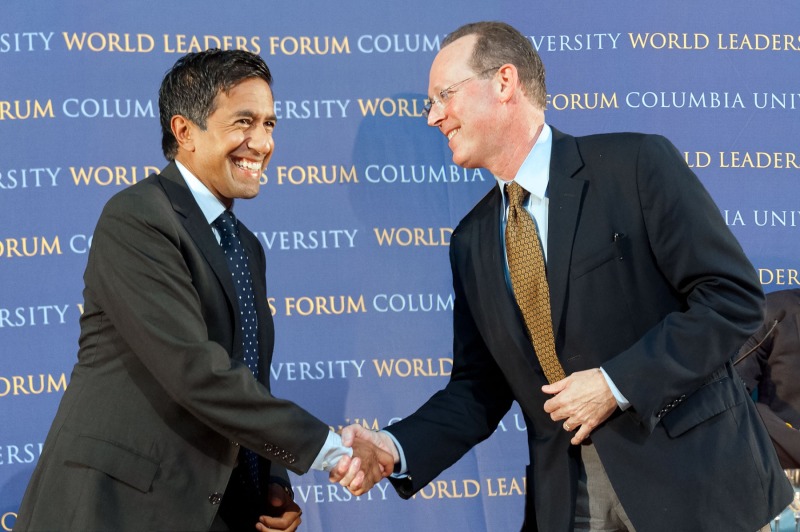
635, 417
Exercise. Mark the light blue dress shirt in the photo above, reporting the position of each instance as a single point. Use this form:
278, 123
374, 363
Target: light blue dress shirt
533, 176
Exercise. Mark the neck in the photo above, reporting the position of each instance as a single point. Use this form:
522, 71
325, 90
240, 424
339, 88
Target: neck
521, 135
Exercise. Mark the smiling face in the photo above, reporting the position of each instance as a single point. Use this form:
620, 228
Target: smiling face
232, 152
468, 119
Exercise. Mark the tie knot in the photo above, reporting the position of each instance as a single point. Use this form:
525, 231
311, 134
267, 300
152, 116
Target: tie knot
225, 223
516, 194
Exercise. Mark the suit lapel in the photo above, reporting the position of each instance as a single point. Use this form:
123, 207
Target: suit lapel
490, 258
198, 228
566, 194
509, 334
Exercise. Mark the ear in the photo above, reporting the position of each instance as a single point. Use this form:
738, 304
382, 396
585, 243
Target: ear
508, 79
183, 130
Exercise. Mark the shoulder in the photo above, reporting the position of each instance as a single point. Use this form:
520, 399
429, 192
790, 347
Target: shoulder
488, 206
784, 299
139, 208
624, 143
146, 190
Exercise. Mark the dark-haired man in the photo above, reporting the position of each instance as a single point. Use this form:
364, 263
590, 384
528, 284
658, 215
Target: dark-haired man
168, 417
619, 355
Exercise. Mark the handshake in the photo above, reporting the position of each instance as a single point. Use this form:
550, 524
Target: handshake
374, 457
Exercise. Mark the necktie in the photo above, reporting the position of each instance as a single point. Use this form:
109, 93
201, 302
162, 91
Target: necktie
236, 256
529, 281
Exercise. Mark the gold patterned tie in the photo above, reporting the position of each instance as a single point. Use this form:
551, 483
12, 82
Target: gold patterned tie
529, 281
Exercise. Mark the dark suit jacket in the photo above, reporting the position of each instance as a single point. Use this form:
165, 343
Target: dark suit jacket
159, 402
773, 370
647, 281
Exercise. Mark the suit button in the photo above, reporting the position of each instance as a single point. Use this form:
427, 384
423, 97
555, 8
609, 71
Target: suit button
215, 498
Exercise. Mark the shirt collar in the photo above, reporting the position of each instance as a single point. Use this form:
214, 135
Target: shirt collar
208, 203
534, 173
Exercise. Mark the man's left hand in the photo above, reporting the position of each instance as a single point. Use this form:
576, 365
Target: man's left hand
285, 515
583, 400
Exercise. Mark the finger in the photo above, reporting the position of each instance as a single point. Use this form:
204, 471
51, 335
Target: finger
554, 407
355, 467
288, 521
351, 432
338, 472
276, 495
363, 488
358, 481
581, 435
555, 387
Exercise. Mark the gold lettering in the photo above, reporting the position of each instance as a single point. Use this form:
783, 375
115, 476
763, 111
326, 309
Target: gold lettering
390, 107
59, 385
110, 175
318, 305
112, 42
417, 367
778, 276
30, 247
11, 110
671, 41
416, 236
306, 45
503, 487
699, 159
585, 101
32, 384
759, 160
450, 489
319, 175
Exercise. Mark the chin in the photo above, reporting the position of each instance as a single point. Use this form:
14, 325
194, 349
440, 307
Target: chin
464, 163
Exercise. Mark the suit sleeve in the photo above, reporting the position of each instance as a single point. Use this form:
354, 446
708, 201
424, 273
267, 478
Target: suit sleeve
705, 267
138, 275
464, 413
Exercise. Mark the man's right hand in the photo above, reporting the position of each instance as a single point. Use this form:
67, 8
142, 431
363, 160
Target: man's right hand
374, 456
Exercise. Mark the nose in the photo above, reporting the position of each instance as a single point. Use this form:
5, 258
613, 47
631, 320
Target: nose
435, 115
260, 140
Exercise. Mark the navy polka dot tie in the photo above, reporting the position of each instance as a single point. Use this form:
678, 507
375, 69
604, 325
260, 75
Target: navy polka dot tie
228, 230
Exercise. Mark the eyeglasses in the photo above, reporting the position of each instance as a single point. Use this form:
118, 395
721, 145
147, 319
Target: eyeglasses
446, 94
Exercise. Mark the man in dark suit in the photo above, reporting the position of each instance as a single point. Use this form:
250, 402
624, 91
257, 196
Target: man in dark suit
650, 296
163, 423
770, 366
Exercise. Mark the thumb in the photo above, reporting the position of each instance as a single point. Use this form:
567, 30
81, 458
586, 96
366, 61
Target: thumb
555, 387
276, 495
348, 435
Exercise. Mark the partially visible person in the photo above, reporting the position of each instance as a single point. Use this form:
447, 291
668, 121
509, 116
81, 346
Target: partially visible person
168, 422
636, 419
770, 367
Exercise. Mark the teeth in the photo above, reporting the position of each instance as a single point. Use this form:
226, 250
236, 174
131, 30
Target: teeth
452, 134
248, 165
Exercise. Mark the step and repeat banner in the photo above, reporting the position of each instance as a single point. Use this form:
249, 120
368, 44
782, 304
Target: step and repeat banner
359, 202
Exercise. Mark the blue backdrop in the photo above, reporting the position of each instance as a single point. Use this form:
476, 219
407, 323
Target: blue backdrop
361, 289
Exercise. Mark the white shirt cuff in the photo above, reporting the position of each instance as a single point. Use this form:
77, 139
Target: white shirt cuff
621, 401
403, 470
330, 453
